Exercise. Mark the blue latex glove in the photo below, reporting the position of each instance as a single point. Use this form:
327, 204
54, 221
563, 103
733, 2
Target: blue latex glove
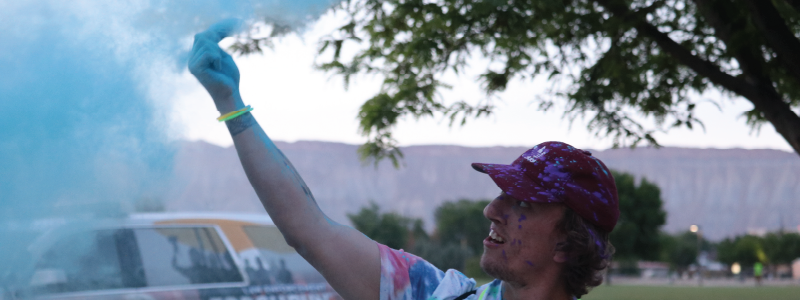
214, 68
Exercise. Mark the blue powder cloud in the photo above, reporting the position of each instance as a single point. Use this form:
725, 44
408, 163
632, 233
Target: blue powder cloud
81, 134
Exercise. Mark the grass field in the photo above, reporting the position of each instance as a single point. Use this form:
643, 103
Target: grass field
691, 293
649, 292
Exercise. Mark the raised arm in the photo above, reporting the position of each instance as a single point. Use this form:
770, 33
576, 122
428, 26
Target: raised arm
348, 259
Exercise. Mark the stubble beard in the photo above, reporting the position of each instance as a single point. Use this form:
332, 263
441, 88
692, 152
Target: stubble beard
498, 269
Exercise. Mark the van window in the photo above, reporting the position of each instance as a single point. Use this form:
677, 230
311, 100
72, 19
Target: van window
87, 261
185, 255
134, 258
275, 262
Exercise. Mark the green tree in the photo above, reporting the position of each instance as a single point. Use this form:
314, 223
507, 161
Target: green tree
790, 248
611, 59
636, 235
417, 234
745, 250
781, 247
679, 250
390, 229
398, 232
460, 230
463, 222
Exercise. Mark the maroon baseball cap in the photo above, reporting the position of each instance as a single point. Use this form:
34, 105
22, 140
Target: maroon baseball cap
555, 172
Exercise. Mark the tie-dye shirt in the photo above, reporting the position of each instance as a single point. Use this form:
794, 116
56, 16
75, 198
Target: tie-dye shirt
405, 276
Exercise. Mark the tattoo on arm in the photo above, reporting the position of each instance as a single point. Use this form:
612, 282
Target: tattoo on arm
239, 124
245, 121
299, 180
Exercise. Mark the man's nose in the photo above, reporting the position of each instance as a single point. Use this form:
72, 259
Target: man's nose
493, 211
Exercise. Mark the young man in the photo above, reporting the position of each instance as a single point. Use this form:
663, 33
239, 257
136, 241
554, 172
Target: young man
550, 225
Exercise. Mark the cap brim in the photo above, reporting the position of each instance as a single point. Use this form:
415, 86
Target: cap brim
512, 180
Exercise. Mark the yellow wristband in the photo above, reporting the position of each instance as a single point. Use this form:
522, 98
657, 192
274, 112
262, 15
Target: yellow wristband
234, 114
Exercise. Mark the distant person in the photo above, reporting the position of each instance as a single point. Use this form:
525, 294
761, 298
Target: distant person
205, 267
758, 272
261, 275
198, 270
282, 275
549, 227
250, 271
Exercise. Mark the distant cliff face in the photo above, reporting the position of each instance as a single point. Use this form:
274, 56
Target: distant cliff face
724, 191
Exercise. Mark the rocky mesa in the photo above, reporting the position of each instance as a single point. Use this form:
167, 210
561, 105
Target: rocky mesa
725, 191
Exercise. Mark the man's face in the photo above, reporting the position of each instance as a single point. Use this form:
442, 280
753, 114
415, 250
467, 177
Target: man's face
522, 240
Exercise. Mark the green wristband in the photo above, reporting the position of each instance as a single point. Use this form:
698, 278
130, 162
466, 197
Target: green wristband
239, 113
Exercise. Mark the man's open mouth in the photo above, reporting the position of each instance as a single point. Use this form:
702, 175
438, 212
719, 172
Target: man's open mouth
495, 238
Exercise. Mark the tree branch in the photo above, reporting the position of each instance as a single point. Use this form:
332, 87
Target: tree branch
747, 53
684, 56
779, 37
766, 98
756, 87
795, 4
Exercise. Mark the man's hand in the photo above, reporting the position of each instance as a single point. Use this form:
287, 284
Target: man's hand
214, 68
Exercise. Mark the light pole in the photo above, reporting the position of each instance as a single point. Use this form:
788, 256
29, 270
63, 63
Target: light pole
696, 229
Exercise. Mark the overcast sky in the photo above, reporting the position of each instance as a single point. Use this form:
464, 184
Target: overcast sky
293, 101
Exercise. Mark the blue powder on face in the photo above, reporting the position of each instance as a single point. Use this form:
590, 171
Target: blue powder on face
83, 134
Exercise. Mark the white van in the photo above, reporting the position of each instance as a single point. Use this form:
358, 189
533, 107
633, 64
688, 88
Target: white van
172, 256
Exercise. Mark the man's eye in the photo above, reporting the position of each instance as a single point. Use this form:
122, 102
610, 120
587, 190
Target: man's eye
524, 204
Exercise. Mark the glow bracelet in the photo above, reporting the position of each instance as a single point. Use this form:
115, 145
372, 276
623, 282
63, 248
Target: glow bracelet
234, 114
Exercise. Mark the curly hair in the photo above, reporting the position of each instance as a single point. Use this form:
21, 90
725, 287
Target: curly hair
588, 251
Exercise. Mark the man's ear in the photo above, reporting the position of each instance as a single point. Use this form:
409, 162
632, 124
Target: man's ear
560, 256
